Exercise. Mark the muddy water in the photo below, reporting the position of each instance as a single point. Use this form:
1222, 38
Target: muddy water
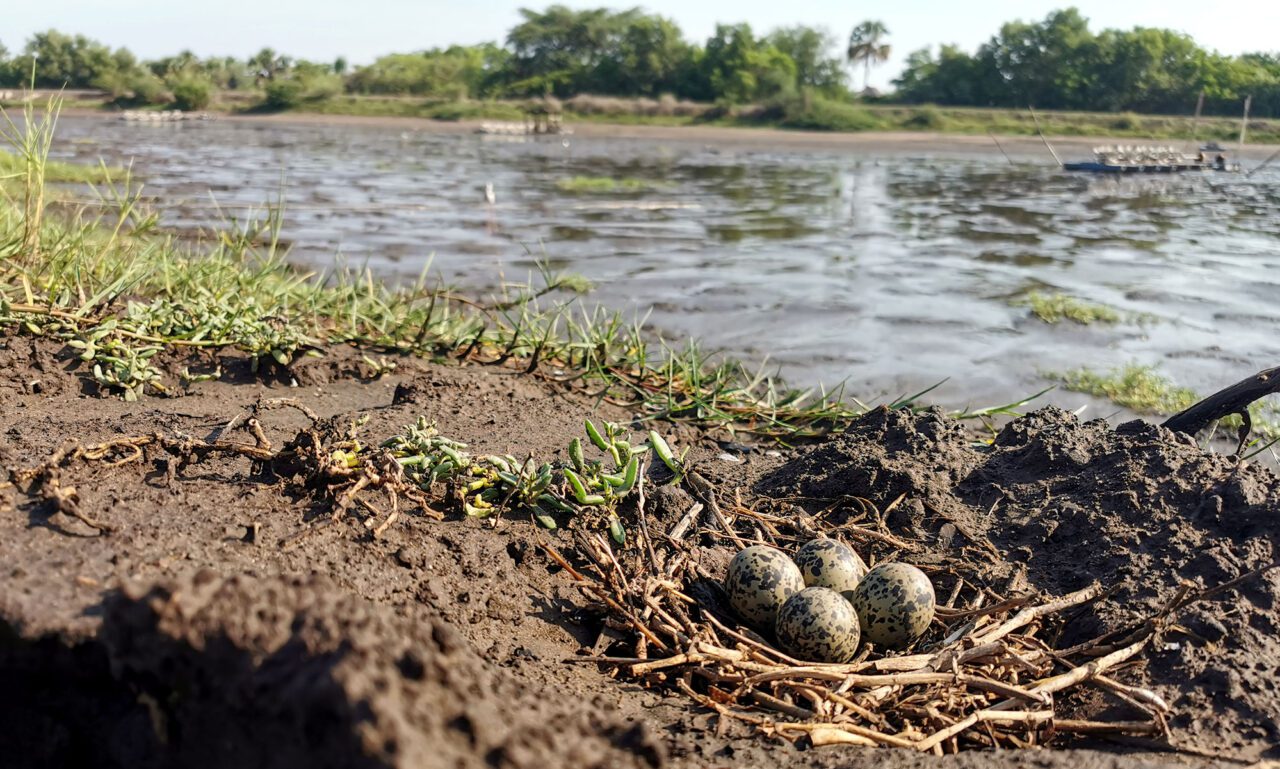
889, 270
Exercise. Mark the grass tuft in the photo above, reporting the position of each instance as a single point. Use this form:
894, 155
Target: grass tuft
1057, 307
1145, 391
601, 185
13, 168
1133, 386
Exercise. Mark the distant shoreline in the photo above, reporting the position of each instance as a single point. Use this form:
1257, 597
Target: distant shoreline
748, 138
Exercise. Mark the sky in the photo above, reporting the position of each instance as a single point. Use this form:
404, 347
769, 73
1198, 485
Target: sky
360, 31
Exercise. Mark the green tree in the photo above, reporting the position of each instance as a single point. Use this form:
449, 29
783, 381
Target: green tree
1059, 63
191, 90
645, 58
1044, 64
72, 61
267, 64
554, 51
738, 68
456, 72
185, 61
953, 77
227, 72
812, 51
867, 46
8, 76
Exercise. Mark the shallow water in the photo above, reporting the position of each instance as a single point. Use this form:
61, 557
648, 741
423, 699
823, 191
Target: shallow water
887, 270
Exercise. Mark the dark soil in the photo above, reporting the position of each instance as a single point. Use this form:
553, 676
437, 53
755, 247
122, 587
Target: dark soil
1066, 504
180, 640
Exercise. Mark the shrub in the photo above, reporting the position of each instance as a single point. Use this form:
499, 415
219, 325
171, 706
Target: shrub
134, 88
927, 118
472, 110
191, 92
1127, 122
292, 92
323, 86
826, 115
282, 94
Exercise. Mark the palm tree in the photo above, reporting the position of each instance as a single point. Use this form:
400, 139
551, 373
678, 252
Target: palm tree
867, 45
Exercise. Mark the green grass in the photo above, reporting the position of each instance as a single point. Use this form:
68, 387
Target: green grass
1145, 391
827, 115
431, 109
1056, 307
14, 168
824, 115
598, 185
1133, 386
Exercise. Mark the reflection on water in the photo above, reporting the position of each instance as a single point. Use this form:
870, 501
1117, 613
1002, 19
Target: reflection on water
891, 272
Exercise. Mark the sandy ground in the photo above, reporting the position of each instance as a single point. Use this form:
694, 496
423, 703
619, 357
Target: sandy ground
203, 631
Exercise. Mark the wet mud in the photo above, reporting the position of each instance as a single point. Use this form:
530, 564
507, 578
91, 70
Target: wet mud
190, 636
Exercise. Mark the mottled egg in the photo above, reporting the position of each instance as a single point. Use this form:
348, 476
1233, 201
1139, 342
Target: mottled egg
760, 579
894, 603
818, 625
830, 563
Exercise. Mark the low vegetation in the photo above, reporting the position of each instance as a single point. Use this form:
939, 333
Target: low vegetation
1056, 307
1133, 386
13, 171
595, 185
1144, 390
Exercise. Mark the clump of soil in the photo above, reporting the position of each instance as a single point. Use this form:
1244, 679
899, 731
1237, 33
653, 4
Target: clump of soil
1066, 504
295, 671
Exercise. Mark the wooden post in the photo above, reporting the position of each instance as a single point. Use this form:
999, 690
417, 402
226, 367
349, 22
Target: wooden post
1244, 122
1264, 164
1044, 139
1002, 152
1195, 123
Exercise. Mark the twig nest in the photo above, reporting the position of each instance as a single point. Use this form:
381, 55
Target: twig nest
894, 604
760, 579
831, 563
818, 625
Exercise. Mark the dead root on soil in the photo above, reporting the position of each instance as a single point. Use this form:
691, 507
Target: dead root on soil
314, 463
989, 673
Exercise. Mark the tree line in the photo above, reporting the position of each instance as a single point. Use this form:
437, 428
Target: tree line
1059, 63
554, 52
1056, 63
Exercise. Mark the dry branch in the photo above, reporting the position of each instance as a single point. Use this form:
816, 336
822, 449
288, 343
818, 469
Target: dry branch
1231, 400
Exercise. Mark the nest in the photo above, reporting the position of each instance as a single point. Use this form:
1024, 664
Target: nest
991, 672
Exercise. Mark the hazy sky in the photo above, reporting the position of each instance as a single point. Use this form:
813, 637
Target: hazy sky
324, 29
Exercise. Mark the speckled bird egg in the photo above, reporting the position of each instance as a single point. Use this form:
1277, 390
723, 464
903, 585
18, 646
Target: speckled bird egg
894, 604
760, 579
831, 563
818, 625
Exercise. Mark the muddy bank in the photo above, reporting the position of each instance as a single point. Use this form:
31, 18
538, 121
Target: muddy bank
191, 636
720, 136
